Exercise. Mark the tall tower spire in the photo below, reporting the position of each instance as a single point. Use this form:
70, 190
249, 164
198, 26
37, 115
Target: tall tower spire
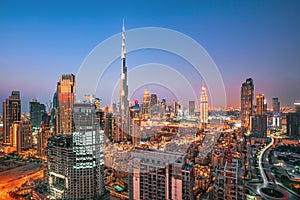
123, 90
123, 53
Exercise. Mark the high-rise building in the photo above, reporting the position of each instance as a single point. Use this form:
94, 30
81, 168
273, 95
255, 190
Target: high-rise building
37, 110
191, 108
76, 162
146, 104
11, 112
21, 133
276, 113
293, 121
163, 105
259, 120
247, 95
203, 106
124, 110
153, 104
66, 89
157, 175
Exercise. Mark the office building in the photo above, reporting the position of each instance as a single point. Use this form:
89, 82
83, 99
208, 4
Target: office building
37, 110
191, 108
156, 174
146, 105
11, 112
21, 133
293, 121
153, 104
259, 120
247, 95
66, 89
76, 161
276, 118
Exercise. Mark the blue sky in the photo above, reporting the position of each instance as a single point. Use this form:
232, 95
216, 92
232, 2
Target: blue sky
40, 40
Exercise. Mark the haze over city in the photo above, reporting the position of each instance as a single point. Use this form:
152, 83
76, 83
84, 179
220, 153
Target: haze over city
258, 39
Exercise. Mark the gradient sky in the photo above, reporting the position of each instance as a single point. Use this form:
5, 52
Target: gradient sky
258, 39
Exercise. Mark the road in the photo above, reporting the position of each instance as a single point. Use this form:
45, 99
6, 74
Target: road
268, 179
16, 177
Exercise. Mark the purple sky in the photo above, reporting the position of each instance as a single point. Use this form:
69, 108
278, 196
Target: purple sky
258, 39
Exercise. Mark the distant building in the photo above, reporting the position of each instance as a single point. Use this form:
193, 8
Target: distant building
191, 108
146, 104
66, 89
21, 133
11, 112
276, 118
37, 110
154, 104
247, 96
159, 175
203, 106
259, 120
76, 162
293, 121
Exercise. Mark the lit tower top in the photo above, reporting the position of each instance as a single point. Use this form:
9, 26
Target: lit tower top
123, 78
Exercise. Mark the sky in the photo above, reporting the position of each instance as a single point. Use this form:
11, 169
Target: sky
40, 40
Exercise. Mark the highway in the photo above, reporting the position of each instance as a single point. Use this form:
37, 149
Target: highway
268, 179
16, 177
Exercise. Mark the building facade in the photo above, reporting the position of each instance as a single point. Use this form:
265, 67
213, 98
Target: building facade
247, 96
159, 175
37, 110
203, 106
66, 97
76, 161
11, 112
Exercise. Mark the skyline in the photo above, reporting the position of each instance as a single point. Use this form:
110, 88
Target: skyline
244, 39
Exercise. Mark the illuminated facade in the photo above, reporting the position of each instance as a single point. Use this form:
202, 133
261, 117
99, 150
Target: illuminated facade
21, 135
66, 97
76, 162
203, 106
247, 95
146, 104
259, 120
11, 112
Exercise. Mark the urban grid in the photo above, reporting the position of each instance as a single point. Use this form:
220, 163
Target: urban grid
151, 148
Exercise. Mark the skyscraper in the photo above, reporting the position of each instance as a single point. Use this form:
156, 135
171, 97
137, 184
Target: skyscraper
191, 108
123, 89
146, 104
259, 120
37, 110
203, 106
293, 121
276, 113
11, 112
66, 97
247, 96
75, 162
21, 133
153, 104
